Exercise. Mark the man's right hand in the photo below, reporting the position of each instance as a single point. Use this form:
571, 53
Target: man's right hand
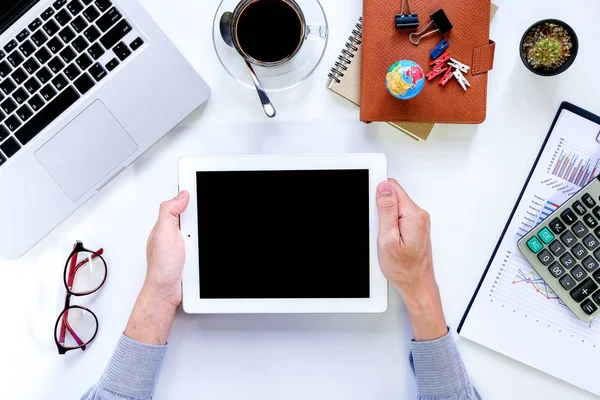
406, 259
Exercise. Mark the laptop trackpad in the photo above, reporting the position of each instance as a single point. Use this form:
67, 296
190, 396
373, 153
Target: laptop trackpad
86, 150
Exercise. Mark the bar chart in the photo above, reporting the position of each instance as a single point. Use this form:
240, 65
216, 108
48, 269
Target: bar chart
576, 165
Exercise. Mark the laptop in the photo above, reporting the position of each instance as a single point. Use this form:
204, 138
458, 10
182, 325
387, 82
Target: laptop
86, 87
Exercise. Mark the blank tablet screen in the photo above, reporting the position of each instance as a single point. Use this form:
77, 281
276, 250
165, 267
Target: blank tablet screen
284, 234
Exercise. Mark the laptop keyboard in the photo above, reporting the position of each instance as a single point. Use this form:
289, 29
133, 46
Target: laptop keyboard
51, 64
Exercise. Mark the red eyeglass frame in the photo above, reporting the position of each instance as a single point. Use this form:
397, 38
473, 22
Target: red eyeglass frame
71, 268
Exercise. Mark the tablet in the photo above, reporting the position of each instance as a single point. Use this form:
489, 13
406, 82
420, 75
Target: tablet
282, 234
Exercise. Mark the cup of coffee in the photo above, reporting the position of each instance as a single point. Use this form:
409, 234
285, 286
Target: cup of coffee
270, 33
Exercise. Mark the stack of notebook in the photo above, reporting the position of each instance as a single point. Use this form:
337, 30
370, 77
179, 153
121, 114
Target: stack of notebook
345, 80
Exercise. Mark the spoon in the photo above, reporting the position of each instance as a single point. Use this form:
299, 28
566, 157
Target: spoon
225, 28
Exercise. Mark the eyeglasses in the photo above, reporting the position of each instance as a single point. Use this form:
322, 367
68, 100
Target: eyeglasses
85, 273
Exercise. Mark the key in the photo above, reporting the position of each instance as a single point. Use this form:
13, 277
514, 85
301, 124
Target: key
59, 82
588, 201
114, 35
557, 226
51, 28
2, 55
545, 257
589, 307
47, 14
535, 245
597, 232
87, 2
68, 55
72, 72
4, 69
108, 20
7, 86
579, 208
579, 251
27, 48
75, 7
556, 270
568, 217
91, 34
10, 145
48, 92
590, 242
19, 76
56, 65
97, 72
24, 113
596, 212
112, 64
136, 44
596, 297
103, 5
59, 3
96, 51
20, 95
67, 34
55, 45
2, 158
2, 117
16, 59
84, 83
10, 46
568, 239
79, 24
32, 85
24, 34
578, 273
83, 61
63, 17
590, 221
31, 66
124, 54
585, 288
590, 264
91, 14
580, 230
568, 261
44, 75
8, 106
12, 123
43, 55
35, 24
557, 249
47, 115
567, 282
79, 44
3, 132
36, 102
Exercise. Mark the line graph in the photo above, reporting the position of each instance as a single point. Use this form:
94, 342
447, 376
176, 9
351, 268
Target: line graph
537, 283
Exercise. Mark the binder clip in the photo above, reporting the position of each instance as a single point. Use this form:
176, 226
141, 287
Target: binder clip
441, 23
461, 79
407, 21
439, 49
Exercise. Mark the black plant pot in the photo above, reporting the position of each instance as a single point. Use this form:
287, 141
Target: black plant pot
563, 67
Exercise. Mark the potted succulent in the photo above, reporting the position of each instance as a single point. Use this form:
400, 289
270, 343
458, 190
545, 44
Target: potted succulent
549, 47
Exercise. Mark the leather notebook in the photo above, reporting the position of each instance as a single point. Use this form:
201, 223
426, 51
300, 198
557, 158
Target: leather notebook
383, 45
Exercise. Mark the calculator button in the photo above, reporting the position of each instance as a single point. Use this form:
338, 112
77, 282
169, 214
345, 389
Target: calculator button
579, 274
596, 212
535, 245
588, 201
585, 288
590, 264
579, 251
557, 226
546, 258
568, 239
580, 230
590, 242
567, 282
579, 208
556, 270
589, 307
568, 261
568, 217
596, 297
557, 249
546, 235
590, 221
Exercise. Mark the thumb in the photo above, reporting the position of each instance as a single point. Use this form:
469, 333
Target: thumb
172, 209
387, 203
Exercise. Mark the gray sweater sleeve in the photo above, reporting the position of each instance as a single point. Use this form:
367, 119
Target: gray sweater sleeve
131, 374
440, 372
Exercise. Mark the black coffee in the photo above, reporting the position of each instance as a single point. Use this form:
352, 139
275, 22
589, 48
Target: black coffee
269, 30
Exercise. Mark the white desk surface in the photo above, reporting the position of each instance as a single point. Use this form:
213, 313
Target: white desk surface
468, 177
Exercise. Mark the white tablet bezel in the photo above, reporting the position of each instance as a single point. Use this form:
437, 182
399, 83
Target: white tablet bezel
376, 164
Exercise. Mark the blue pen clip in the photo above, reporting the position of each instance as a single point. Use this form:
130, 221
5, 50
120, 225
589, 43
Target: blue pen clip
439, 49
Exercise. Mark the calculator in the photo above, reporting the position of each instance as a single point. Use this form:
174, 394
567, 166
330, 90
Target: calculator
565, 251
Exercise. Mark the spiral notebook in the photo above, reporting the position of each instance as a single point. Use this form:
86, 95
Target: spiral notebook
344, 79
